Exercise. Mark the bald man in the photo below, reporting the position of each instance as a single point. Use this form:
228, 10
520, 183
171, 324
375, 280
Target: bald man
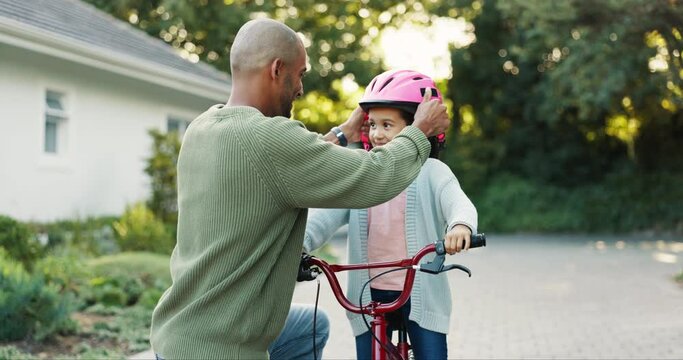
246, 176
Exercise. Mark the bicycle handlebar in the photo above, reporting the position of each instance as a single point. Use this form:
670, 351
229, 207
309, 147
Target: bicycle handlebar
411, 264
476, 240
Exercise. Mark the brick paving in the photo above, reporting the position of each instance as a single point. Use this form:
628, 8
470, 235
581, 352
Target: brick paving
543, 297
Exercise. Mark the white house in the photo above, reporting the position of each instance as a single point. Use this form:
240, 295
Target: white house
79, 90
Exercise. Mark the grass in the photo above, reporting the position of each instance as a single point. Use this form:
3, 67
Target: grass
126, 263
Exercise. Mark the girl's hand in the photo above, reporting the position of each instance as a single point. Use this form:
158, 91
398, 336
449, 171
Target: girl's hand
457, 239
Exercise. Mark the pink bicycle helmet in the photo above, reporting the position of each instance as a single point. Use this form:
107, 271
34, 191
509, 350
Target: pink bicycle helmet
401, 89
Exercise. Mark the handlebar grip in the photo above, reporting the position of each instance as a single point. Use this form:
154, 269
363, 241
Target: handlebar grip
305, 271
476, 240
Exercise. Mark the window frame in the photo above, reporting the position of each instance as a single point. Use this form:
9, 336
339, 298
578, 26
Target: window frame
59, 118
182, 122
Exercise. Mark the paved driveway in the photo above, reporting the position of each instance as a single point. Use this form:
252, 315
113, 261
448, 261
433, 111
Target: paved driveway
553, 297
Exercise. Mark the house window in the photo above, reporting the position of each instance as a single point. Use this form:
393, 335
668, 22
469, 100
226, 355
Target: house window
178, 125
55, 123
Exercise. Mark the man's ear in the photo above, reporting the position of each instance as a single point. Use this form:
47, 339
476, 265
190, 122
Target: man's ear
276, 68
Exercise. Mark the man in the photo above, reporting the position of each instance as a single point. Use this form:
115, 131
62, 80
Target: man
246, 176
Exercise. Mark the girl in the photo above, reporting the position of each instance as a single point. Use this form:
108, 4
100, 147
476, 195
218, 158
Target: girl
432, 207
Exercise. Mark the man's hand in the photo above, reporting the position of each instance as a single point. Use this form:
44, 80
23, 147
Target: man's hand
354, 126
457, 239
431, 116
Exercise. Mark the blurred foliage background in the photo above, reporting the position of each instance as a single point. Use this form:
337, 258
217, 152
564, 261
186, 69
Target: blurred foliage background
566, 113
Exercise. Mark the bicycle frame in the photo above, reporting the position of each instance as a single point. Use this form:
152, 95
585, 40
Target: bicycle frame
378, 310
375, 309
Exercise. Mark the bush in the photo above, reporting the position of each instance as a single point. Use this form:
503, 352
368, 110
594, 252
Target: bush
150, 297
113, 290
66, 272
129, 327
28, 306
140, 230
17, 239
631, 202
127, 279
93, 236
621, 203
513, 204
84, 351
12, 353
133, 328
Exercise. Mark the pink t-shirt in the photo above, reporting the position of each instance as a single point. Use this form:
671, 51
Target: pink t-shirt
387, 241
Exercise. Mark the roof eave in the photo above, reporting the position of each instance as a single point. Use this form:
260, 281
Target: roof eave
28, 37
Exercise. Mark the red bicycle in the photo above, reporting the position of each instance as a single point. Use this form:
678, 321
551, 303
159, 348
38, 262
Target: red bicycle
382, 347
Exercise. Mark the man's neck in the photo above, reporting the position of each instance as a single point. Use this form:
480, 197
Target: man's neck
261, 106
251, 92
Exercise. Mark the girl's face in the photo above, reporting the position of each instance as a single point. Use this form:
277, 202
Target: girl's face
385, 123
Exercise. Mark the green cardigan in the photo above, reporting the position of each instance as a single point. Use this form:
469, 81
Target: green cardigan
245, 182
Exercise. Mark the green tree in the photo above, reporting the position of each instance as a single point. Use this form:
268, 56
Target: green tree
341, 37
568, 91
338, 34
161, 168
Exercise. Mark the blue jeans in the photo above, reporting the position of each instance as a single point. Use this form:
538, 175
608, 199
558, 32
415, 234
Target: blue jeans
296, 339
426, 344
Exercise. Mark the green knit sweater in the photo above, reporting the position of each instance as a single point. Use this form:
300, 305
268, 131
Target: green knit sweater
245, 182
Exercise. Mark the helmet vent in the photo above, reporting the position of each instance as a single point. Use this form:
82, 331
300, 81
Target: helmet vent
385, 84
433, 91
418, 78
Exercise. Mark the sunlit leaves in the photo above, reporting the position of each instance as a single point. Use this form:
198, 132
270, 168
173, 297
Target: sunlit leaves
320, 112
572, 88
